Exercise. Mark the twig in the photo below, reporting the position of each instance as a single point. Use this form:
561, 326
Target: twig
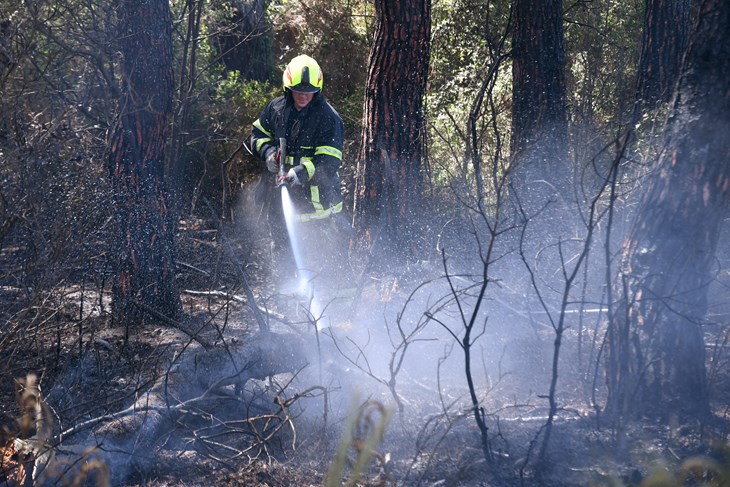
192, 267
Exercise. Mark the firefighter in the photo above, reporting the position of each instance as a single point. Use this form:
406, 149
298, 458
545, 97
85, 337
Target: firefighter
313, 132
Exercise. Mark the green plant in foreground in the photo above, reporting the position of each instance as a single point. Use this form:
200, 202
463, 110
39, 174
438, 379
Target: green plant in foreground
362, 433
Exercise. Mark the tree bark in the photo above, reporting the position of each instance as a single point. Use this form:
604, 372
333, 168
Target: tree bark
539, 122
656, 360
246, 38
665, 37
389, 179
144, 248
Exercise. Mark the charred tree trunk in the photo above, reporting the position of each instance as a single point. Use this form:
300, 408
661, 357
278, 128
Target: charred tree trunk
539, 122
666, 32
389, 176
144, 248
656, 361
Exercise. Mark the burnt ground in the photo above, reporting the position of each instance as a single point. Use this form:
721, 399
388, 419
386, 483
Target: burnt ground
213, 399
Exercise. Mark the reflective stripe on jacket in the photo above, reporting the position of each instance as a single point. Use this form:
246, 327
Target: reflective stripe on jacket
314, 138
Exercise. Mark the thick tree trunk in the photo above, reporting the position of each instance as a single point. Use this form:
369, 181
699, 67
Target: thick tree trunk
539, 122
144, 249
389, 176
666, 32
656, 355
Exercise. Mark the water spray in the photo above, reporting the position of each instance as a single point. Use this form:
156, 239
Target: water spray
304, 276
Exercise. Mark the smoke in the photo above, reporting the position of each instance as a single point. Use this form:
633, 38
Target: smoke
403, 335
406, 339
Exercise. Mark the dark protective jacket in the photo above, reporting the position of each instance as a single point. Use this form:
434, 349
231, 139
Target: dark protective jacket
313, 147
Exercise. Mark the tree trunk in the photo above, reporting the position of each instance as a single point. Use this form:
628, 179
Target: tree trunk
656, 360
666, 32
539, 122
144, 249
389, 176
245, 39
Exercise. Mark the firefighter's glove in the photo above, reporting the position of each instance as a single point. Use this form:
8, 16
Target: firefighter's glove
272, 160
291, 177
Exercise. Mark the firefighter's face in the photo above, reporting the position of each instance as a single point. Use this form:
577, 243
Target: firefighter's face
301, 100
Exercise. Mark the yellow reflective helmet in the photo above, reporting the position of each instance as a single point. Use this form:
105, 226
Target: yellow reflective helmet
303, 74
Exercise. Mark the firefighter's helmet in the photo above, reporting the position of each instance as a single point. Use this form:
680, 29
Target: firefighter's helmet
303, 74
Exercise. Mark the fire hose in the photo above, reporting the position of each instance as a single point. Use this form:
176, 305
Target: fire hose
281, 178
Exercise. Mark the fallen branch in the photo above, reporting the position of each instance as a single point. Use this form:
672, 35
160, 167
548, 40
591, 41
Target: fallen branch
280, 317
195, 335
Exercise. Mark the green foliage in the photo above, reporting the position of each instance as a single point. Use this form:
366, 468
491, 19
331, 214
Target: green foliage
602, 41
337, 35
466, 36
238, 102
462, 33
73, 68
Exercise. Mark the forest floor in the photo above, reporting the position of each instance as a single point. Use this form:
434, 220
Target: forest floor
373, 374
